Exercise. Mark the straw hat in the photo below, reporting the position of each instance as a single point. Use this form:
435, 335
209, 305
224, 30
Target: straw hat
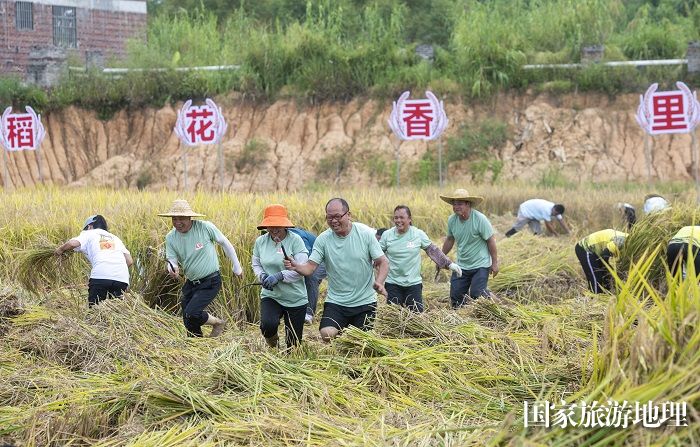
275, 216
181, 208
461, 194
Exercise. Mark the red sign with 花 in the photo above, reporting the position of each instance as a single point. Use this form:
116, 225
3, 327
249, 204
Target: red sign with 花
21, 131
418, 119
203, 124
676, 111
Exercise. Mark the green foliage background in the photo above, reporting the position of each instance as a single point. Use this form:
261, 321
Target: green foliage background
325, 50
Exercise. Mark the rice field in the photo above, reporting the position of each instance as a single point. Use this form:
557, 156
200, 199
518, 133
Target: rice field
124, 374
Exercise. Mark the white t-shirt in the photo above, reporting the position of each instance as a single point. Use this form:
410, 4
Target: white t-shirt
654, 204
105, 252
537, 209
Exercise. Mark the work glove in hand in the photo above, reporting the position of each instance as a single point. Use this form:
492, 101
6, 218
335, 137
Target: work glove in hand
272, 280
262, 277
457, 269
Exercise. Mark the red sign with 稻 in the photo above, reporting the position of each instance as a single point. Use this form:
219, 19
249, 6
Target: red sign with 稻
21, 131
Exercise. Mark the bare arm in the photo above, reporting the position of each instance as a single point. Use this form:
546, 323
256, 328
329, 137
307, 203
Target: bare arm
563, 224
491, 244
305, 269
448, 244
550, 228
382, 265
69, 245
129, 260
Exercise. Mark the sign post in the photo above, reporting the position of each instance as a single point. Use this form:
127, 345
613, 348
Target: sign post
203, 124
417, 119
20, 132
676, 111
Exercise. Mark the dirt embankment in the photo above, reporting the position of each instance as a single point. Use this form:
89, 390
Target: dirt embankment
287, 146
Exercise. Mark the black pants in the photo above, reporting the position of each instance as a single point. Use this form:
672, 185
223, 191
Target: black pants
340, 317
196, 295
100, 289
473, 284
597, 274
677, 256
406, 296
270, 313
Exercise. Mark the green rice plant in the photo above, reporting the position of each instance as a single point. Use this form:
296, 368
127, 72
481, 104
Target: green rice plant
652, 233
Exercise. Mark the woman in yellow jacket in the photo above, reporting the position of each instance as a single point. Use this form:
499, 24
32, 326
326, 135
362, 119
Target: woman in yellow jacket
679, 247
594, 252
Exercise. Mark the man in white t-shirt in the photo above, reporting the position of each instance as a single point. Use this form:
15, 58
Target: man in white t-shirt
654, 202
109, 258
532, 211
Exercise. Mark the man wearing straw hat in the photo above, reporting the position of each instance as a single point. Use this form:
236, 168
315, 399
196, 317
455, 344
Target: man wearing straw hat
191, 244
476, 247
349, 253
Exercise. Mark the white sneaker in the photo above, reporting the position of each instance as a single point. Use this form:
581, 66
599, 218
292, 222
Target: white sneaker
308, 319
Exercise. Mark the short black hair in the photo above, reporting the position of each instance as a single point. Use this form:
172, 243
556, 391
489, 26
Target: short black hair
559, 208
403, 207
342, 201
98, 222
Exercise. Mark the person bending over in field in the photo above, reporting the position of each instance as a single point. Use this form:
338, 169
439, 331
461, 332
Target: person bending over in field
628, 213
402, 245
283, 293
680, 247
532, 211
594, 252
109, 258
348, 253
190, 244
476, 248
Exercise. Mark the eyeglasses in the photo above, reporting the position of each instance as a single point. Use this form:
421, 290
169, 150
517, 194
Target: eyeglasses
336, 218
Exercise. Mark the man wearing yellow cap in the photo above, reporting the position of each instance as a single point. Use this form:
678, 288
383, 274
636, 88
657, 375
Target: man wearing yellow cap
681, 246
476, 247
594, 252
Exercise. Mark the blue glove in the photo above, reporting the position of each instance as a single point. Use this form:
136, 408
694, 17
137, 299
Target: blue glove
272, 280
263, 276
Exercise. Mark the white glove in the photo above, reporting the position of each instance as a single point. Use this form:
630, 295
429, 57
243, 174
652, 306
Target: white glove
457, 269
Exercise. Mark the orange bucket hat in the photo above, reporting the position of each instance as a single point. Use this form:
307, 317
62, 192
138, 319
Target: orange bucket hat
275, 216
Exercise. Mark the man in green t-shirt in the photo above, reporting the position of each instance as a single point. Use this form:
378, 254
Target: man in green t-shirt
349, 254
476, 247
190, 244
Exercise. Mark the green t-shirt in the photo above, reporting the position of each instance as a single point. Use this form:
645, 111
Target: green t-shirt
470, 236
269, 252
403, 251
349, 265
195, 250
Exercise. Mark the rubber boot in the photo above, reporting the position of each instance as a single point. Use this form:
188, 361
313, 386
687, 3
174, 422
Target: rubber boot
272, 341
217, 325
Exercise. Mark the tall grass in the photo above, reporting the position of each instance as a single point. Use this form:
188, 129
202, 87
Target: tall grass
124, 372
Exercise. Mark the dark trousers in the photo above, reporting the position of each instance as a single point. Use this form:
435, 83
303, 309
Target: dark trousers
100, 289
594, 267
406, 296
677, 256
340, 317
270, 313
313, 282
196, 295
473, 283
